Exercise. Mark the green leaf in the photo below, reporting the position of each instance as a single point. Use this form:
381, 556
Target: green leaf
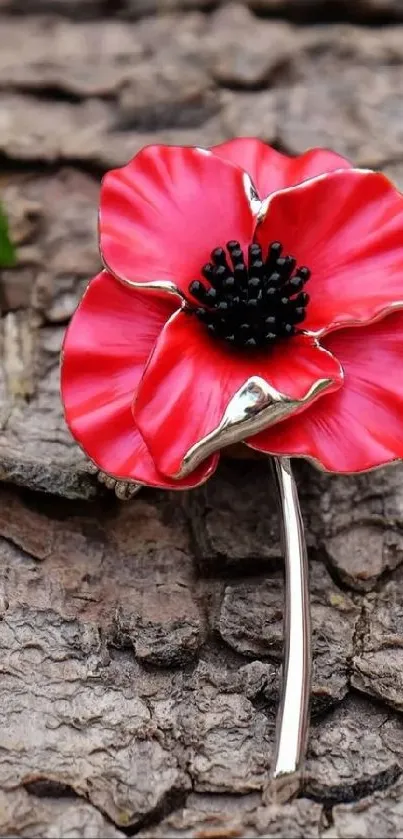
8, 255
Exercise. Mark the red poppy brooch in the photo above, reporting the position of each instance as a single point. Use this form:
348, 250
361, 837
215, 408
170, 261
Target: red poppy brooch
246, 297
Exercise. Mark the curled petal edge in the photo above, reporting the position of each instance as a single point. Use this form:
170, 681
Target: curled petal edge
388, 309
265, 203
319, 466
167, 286
126, 488
163, 286
255, 406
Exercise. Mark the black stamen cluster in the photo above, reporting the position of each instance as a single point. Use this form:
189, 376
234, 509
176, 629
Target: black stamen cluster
251, 304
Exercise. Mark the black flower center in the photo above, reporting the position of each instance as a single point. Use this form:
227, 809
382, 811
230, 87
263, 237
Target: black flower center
251, 303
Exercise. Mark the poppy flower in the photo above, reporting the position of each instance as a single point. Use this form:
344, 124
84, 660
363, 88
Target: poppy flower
246, 296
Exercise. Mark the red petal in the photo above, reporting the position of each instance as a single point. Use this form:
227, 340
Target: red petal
347, 227
163, 214
270, 170
105, 350
191, 379
361, 426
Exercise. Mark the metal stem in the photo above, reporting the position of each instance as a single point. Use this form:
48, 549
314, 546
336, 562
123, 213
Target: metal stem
293, 713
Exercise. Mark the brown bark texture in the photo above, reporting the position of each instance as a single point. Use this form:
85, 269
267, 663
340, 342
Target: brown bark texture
140, 643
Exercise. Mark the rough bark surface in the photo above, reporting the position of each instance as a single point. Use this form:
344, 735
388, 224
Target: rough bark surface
141, 643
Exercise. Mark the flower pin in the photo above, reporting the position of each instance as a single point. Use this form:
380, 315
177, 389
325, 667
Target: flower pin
246, 297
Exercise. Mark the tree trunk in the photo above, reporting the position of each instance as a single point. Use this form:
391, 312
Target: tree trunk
141, 641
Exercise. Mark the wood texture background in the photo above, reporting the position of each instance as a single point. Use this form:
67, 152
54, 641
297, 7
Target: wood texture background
140, 643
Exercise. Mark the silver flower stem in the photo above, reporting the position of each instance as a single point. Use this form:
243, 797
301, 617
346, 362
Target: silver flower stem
293, 713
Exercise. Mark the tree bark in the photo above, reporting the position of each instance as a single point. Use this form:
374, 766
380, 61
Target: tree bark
141, 642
